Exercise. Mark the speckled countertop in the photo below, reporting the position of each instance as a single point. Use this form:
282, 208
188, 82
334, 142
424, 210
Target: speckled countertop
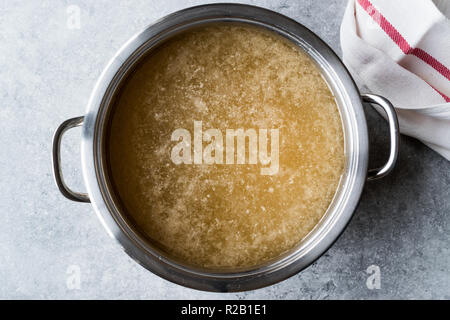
48, 67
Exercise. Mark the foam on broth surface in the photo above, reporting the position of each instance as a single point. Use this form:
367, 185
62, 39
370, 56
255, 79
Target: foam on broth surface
228, 77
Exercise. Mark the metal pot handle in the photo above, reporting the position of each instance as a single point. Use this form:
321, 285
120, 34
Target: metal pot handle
56, 156
381, 172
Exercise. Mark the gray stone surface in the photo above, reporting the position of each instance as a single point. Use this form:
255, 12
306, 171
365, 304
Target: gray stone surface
47, 72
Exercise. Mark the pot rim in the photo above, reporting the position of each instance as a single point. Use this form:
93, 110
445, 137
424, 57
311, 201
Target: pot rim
338, 214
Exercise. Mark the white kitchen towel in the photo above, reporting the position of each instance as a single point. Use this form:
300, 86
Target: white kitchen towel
400, 49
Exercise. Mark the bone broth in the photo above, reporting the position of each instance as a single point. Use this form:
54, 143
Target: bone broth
226, 146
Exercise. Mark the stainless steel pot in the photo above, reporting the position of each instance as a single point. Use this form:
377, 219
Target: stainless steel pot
341, 209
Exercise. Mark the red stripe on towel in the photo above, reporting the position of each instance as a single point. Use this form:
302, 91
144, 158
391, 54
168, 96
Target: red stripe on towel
403, 44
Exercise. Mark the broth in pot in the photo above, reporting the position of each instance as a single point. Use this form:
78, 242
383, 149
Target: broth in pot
226, 146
